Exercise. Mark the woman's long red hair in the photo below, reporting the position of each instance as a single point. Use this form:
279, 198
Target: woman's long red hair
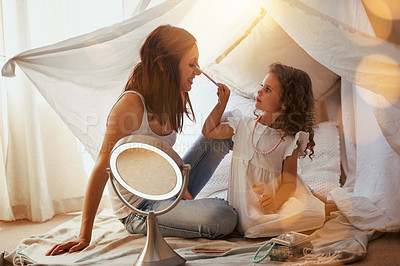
157, 76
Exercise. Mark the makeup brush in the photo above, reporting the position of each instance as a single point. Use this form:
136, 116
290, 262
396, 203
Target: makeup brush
207, 76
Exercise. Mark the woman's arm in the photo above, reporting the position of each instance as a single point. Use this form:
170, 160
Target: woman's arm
124, 118
213, 128
287, 187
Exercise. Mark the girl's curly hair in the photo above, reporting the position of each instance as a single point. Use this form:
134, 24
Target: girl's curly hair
298, 98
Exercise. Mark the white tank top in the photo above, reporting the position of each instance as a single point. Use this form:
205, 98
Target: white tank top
144, 128
119, 208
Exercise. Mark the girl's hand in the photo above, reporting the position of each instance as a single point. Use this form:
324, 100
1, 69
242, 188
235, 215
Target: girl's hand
73, 245
330, 206
269, 203
223, 93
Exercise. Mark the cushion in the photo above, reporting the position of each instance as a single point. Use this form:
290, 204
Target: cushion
217, 186
322, 173
244, 66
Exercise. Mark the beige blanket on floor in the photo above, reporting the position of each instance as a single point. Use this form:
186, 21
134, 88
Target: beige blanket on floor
111, 244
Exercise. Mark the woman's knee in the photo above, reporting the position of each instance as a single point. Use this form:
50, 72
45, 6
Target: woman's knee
135, 224
221, 220
221, 146
208, 218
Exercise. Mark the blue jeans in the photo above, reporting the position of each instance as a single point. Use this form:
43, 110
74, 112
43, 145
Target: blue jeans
208, 218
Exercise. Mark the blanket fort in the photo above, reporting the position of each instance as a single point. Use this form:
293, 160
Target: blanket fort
82, 87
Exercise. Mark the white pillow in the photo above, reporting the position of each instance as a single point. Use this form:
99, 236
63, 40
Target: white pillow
322, 173
217, 186
244, 68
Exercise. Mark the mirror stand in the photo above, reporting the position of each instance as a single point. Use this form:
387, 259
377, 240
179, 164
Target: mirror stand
156, 250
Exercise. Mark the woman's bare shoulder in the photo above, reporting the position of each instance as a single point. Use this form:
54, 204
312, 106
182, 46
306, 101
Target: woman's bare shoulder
127, 113
129, 102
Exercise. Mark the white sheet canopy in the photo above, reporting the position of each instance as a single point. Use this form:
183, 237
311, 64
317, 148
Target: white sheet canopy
90, 71
81, 77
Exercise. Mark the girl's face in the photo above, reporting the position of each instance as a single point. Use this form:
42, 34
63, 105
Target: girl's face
268, 97
187, 69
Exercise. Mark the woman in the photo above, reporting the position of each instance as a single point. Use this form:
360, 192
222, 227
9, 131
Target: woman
154, 102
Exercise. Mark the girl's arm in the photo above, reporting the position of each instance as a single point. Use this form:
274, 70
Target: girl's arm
287, 187
124, 118
213, 128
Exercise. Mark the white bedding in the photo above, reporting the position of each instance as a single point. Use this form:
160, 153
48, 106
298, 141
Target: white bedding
113, 245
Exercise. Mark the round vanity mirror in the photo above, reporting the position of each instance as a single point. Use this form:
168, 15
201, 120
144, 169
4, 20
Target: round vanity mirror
147, 167
151, 169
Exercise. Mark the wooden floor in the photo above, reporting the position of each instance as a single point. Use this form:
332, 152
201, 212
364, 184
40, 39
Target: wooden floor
382, 251
12, 232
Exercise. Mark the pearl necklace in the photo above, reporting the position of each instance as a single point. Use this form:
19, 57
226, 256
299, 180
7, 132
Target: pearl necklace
254, 147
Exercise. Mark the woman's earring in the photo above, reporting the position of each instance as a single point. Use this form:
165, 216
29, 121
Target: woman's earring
283, 107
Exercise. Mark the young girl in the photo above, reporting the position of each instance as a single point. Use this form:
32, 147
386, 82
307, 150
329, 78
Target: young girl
263, 186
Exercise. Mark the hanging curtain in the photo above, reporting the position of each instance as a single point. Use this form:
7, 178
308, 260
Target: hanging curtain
5, 207
41, 166
81, 87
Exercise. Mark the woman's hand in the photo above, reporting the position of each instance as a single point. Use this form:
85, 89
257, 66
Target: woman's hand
223, 93
73, 245
269, 203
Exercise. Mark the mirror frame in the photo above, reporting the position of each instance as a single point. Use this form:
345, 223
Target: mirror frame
129, 145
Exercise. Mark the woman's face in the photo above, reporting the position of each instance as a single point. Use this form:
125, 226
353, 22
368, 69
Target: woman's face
187, 69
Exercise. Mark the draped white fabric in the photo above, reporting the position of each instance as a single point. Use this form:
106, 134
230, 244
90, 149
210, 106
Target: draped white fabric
41, 167
372, 167
38, 180
81, 86
5, 208
339, 35
360, 58
73, 68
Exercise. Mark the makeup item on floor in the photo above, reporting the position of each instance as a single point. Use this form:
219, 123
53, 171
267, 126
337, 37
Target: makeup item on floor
285, 247
212, 251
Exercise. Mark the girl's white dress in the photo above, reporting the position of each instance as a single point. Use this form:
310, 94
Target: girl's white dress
300, 213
